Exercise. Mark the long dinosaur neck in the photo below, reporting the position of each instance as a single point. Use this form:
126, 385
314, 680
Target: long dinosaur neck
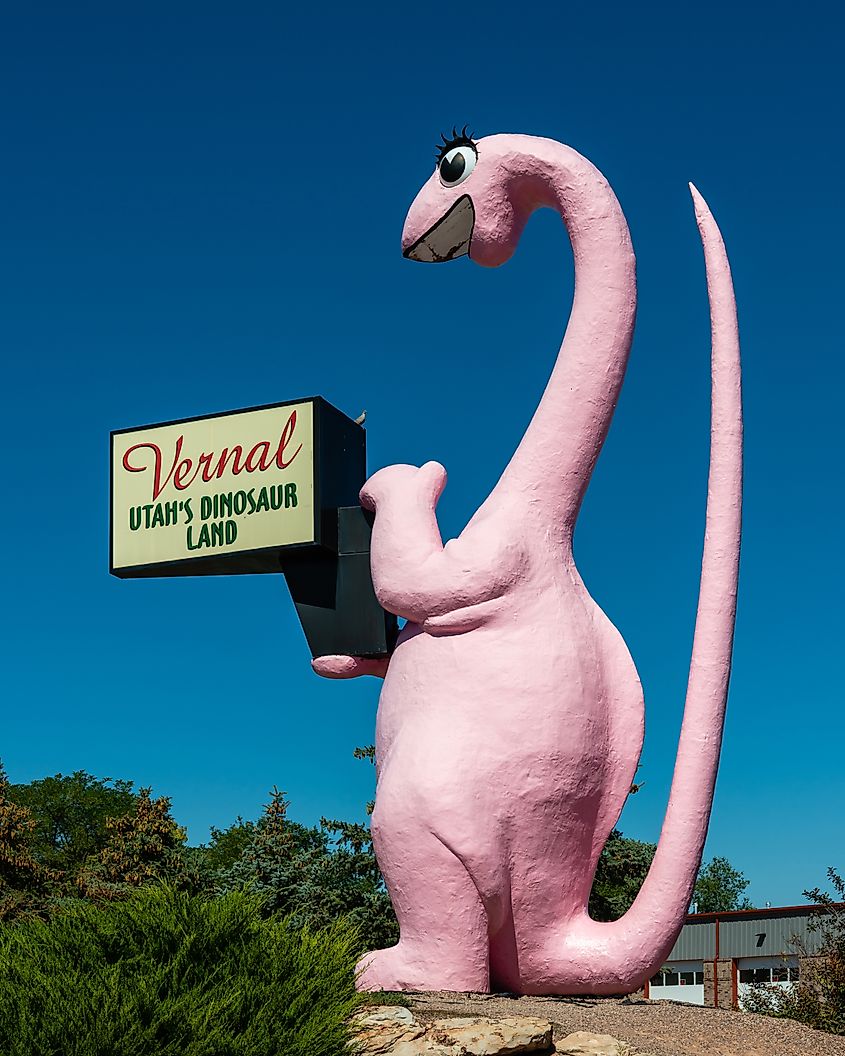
554, 461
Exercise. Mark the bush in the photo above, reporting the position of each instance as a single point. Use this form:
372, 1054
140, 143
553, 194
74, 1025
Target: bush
166, 973
818, 998
27, 888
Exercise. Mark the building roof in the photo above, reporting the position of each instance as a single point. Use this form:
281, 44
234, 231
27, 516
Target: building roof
768, 911
773, 931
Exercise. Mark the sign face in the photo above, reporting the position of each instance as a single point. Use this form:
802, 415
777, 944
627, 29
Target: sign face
217, 494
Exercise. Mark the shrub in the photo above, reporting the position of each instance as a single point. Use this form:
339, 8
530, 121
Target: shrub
27, 888
818, 998
167, 973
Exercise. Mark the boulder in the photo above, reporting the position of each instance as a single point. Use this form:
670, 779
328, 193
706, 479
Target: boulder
393, 1031
378, 1030
585, 1043
499, 1037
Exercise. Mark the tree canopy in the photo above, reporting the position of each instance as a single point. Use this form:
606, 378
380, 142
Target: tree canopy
71, 814
77, 836
720, 888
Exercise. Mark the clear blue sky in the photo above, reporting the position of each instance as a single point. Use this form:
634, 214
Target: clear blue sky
201, 207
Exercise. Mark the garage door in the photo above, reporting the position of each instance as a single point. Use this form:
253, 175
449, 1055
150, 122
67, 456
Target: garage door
679, 981
771, 971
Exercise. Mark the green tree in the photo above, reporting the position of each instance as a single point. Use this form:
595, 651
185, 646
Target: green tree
314, 875
720, 888
226, 846
623, 865
26, 886
144, 845
352, 886
71, 813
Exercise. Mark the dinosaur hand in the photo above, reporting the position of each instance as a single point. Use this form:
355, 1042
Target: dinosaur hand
406, 485
349, 666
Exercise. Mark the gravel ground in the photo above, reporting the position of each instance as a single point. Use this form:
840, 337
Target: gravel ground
655, 1028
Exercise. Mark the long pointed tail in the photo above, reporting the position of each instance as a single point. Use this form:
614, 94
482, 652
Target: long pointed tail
621, 955
666, 893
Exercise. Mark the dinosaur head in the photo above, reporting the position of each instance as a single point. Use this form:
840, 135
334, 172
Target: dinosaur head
476, 201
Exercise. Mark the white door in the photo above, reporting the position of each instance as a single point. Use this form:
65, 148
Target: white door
771, 971
679, 981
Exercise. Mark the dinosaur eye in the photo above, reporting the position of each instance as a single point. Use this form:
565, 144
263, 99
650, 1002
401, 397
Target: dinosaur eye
456, 165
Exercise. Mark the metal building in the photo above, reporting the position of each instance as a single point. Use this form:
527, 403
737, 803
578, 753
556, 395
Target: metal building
719, 955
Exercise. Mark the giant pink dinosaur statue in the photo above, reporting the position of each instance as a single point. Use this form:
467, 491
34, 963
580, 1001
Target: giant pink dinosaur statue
510, 723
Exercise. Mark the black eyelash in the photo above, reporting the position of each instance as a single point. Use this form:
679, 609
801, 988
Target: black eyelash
457, 139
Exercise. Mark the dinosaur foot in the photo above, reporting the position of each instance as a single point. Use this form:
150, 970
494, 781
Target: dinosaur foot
401, 968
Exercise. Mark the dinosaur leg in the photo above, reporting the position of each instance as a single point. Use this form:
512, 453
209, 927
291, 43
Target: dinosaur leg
442, 922
550, 875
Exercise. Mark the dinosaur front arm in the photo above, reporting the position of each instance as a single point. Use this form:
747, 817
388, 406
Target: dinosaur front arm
415, 576
337, 666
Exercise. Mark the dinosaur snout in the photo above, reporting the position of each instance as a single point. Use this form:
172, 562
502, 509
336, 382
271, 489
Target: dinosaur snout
435, 239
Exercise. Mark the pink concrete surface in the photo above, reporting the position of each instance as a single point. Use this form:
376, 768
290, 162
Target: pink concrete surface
510, 721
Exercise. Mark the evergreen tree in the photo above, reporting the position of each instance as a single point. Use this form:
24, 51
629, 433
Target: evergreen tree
315, 875
144, 845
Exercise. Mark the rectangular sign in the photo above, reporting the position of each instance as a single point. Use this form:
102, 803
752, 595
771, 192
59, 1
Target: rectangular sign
218, 494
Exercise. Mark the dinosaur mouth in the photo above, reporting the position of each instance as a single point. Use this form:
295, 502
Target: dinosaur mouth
448, 238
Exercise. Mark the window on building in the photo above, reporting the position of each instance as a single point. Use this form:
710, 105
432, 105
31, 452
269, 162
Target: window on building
780, 973
699, 978
755, 975
657, 980
671, 979
793, 974
687, 978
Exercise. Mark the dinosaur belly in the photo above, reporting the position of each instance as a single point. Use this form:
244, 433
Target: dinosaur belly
516, 740
506, 702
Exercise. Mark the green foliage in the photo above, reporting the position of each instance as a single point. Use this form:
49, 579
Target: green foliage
315, 876
26, 886
71, 814
622, 867
227, 845
720, 888
110, 840
143, 845
165, 973
818, 997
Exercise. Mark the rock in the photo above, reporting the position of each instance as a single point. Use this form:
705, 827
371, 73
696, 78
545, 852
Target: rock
423, 1047
499, 1037
392, 1031
378, 1030
585, 1043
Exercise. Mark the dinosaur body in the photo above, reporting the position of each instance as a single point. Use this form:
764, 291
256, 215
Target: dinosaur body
510, 722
